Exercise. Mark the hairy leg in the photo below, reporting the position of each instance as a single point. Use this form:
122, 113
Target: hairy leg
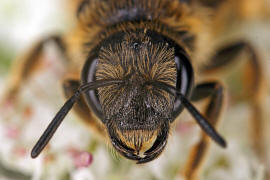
253, 88
214, 91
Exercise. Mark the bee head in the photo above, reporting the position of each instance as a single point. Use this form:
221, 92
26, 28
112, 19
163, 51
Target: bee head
137, 85
137, 114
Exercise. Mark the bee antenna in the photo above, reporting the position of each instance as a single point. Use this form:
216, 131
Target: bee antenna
204, 124
57, 120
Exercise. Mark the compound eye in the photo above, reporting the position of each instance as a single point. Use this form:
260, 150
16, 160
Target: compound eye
88, 75
184, 80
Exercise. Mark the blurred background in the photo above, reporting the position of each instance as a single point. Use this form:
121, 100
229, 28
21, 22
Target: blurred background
75, 152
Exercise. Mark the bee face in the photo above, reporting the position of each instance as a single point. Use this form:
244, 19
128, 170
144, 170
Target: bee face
137, 115
135, 111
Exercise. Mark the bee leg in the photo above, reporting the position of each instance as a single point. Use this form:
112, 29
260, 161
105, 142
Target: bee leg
27, 65
81, 108
224, 56
253, 90
214, 90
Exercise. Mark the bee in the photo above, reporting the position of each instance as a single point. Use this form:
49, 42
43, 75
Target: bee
132, 67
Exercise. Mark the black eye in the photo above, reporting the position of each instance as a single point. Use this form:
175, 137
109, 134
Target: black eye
184, 80
88, 75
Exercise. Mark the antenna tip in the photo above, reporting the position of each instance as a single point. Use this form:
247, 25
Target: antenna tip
222, 142
34, 154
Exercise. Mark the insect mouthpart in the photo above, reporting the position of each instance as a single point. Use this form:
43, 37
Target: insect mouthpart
141, 145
